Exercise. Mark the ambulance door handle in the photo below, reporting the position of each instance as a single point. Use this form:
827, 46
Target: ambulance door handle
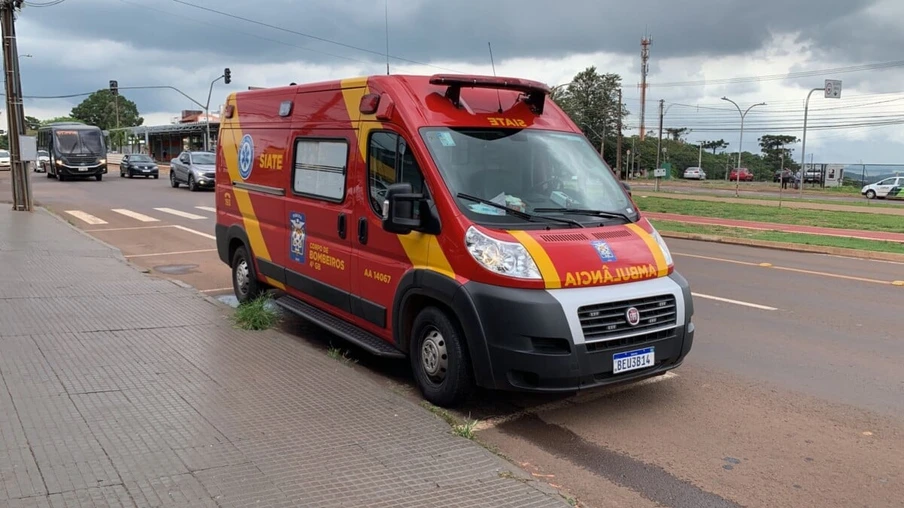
341, 225
362, 230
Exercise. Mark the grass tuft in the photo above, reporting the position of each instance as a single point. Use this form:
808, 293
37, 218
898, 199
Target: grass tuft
257, 314
340, 355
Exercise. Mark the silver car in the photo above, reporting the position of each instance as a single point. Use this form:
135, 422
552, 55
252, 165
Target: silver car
197, 170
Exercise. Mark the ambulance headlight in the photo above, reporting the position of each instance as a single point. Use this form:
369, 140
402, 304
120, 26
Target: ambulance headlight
665, 248
505, 258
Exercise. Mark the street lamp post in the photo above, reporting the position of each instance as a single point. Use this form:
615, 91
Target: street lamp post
741, 140
832, 89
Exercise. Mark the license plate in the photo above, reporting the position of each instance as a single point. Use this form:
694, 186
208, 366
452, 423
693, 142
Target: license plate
633, 360
83, 169
145, 170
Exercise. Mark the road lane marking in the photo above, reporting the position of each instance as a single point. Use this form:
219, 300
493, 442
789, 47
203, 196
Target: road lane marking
86, 217
135, 215
179, 213
581, 398
787, 269
199, 233
130, 229
207, 208
735, 302
217, 290
170, 253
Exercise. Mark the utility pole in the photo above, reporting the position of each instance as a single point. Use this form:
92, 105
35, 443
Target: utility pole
22, 198
644, 69
659, 143
700, 156
618, 147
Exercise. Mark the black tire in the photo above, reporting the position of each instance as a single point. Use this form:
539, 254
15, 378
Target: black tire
99, 177
156, 177
49, 174
249, 288
192, 186
61, 178
129, 173
172, 179
450, 384
121, 174
870, 194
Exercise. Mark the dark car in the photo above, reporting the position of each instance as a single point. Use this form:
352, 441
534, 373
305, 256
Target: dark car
197, 170
138, 164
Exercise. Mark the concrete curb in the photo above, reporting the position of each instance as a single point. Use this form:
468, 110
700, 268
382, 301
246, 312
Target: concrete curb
813, 249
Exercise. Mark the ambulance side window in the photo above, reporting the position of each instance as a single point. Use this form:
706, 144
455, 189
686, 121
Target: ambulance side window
320, 168
390, 161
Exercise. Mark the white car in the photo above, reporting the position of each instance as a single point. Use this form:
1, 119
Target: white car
43, 158
888, 188
4, 160
695, 174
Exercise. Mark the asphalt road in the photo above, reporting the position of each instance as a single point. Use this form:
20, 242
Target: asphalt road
169, 232
792, 396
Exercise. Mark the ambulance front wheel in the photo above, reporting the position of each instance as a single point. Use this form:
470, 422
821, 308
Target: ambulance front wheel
439, 358
244, 280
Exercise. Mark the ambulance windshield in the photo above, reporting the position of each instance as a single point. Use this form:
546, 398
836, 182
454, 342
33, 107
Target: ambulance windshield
556, 174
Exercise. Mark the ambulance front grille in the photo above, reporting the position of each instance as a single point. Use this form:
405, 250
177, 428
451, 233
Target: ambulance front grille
605, 321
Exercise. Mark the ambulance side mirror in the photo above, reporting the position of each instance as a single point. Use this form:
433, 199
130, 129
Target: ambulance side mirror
400, 209
627, 187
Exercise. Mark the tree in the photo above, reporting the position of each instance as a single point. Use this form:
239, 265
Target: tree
774, 147
32, 123
715, 145
58, 119
676, 133
591, 101
100, 107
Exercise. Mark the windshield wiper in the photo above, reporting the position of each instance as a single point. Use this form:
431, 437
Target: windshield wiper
583, 211
517, 213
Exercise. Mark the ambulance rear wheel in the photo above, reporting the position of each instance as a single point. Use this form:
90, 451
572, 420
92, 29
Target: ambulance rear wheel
439, 358
244, 280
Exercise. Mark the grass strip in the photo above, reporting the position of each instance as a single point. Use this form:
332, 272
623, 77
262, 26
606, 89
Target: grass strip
771, 214
779, 236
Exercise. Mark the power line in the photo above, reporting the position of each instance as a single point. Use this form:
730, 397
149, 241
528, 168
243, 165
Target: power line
790, 75
310, 36
45, 4
250, 34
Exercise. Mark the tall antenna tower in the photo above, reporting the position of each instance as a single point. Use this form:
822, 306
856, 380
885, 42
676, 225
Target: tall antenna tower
644, 69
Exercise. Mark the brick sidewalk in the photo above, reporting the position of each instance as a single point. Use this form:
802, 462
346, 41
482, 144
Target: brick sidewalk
123, 390
787, 228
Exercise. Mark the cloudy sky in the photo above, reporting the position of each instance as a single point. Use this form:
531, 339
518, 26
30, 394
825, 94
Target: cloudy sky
76, 46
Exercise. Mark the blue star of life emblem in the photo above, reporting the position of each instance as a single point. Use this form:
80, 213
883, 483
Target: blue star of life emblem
246, 156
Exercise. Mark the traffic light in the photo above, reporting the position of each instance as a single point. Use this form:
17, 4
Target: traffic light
114, 87
228, 75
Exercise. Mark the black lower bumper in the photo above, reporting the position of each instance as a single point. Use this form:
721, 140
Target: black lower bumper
77, 171
530, 346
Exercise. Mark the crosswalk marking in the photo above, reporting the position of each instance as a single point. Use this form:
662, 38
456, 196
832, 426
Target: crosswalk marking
180, 213
207, 208
135, 215
86, 217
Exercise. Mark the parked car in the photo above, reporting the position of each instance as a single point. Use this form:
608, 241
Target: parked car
695, 173
138, 164
197, 170
889, 187
740, 174
813, 176
4, 160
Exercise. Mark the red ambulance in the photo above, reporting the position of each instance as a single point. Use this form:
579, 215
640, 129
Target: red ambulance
463, 222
